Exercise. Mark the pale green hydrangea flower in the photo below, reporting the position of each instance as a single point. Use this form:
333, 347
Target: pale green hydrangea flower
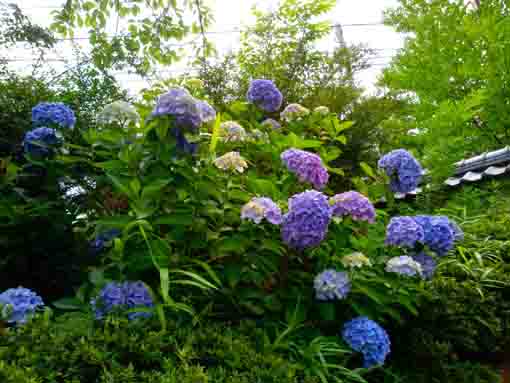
231, 161
294, 112
356, 260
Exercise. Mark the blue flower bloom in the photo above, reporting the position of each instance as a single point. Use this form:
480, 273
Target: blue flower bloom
99, 243
366, 336
428, 265
184, 108
354, 204
53, 113
21, 303
40, 142
265, 95
439, 235
404, 171
307, 166
207, 112
404, 231
331, 285
116, 296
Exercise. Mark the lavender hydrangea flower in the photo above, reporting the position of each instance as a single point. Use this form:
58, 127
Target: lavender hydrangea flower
231, 131
293, 112
306, 223
99, 243
180, 105
271, 123
307, 166
356, 260
354, 204
427, 263
439, 235
265, 95
404, 231
122, 296
53, 113
331, 285
40, 142
404, 265
262, 207
403, 169
19, 303
207, 112
366, 336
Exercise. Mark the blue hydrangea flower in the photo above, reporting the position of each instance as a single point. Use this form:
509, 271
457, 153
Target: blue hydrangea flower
53, 113
427, 263
404, 231
458, 234
20, 303
366, 336
404, 171
306, 223
265, 95
307, 166
262, 207
271, 123
354, 204
116, 296
331, 285
99, 243
404, 265
40, 142
183, 107
207, 112
439, 236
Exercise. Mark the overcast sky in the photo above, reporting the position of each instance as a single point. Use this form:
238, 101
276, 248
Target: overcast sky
232, 13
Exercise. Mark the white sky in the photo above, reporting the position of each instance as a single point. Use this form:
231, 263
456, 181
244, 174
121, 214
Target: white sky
229, 14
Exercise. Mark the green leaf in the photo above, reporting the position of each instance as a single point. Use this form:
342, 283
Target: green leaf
327, 311
68, 304
96, 277
175, 219
215, 134
367, 169
152, 190
233, 274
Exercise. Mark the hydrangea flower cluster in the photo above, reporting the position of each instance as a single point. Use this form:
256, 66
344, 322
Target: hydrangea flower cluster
366, 336
404, 265
118, 112
331, 285
404, 171
99, 243
262, 207
439, 235
19, 303
427, 263
122, 296
356, 260
265, 95
354, 204
207, 112
231, 161
294, 112
40, 142
404, 231
322, 110
307, 166
53, 113
231, 131
306, 223
271, 123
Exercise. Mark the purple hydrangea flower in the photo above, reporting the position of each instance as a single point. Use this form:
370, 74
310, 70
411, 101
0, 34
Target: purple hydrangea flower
306, 223
404, 231
404, 265
439, 236
354, 204
207, 112
265, 95
366, 336
273, 124
19, 303
57, 113
307, 166
122, 296
39, 142
427, 263
262, 207
99, 243
180, 105
403, 169
331, 285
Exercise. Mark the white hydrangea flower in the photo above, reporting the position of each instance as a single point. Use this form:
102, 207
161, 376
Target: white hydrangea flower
404, 265
231, 161
118, 111
231, 131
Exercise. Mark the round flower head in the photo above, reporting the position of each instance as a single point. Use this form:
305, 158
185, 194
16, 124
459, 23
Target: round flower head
354, 204
366, 336
427, 263
439, 235
53, 113
207, 112
270, 123
116, 296
307, 166
404, 265
294, 112
231, 131
99, 243
356, 260
118, 112
265, 95
180, 105
19, 303
322, 110
262, 207
404, 231
404, 171
331, 285
306, 223
231, 161
40, 142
